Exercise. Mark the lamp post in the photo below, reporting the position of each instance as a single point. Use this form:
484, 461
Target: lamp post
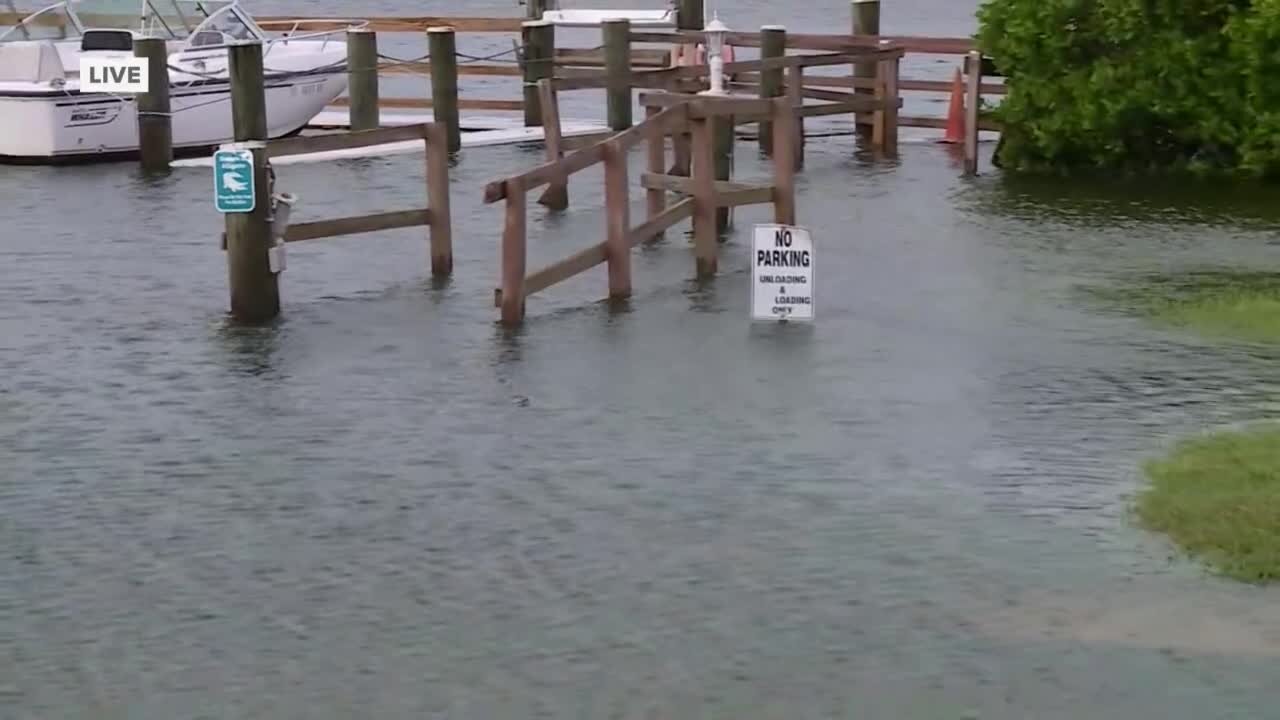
716, 33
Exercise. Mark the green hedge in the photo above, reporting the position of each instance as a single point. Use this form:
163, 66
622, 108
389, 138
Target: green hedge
1137, 84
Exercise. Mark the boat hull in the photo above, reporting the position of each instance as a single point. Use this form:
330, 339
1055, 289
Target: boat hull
55, 127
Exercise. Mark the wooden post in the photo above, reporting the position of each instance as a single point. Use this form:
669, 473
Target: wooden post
682, 160
513, 255
973, 97
618, 220
617, 67
704, 193
155, 123
885, 125
255, 291
689, 15
436, 137
442, 46
722, 127
556, 196
866, 21
362, 73
773, 44
795, 83
656, 146
536, 8
539, 55
784, 163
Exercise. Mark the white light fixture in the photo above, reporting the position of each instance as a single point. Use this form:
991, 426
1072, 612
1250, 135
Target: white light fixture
716, 33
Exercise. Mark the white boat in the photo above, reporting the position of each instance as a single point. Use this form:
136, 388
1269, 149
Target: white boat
45, 118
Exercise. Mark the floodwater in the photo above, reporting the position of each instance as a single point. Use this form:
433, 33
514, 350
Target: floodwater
386, 507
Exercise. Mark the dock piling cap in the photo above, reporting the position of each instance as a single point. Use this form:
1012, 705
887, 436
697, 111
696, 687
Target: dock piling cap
440, 29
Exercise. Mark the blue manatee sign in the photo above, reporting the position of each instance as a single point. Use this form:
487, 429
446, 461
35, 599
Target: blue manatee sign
234, 190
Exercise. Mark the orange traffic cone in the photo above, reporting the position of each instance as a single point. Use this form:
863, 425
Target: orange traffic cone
955, 113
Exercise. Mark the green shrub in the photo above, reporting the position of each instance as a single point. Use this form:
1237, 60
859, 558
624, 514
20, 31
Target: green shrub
1137, 85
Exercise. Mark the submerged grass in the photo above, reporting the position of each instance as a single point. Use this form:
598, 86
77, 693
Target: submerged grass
1218, 498
1242, 305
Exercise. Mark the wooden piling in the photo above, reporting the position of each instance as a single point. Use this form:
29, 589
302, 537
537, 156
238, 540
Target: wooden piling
722, 128
866, 21
973, 97
617, 219
690, 15
537, 8
884, 135
795, 98
539, 37
513, 255
442, 46
784, 162
155, 122
656, 156
617, 62
255, 292
704, 193
362, 74
440, 226
556, 196
773, 43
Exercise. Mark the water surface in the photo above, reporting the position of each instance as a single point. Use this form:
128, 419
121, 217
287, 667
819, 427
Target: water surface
386, 506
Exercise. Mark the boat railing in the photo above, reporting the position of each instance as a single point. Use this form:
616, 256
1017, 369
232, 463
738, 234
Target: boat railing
328, 27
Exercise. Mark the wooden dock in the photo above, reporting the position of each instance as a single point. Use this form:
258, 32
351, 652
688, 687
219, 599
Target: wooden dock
690, 124
477, 131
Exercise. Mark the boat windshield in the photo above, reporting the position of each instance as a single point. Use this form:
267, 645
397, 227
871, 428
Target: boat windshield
206, 22
173, 18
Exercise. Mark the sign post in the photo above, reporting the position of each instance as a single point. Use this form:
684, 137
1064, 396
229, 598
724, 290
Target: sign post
781, 273
233, 178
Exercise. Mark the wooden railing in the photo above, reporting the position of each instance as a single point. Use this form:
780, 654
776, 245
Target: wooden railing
690, 121
836, 42
435, 216
667, 115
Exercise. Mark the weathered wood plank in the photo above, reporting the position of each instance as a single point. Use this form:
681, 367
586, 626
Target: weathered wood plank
556, 196
704, 193
414, 24
655, 162
375, 222
581, 159
809, 41
345, 141
421, 103
424, 68
701, 106
657, 224
441, 215
746, 196
858, 104
514, 255
617, 200
677, 183
545, 173
578, 142
590, 58
557, 273
750, 82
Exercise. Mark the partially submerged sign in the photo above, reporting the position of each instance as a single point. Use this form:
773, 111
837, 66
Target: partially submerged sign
234, 190
781, 273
